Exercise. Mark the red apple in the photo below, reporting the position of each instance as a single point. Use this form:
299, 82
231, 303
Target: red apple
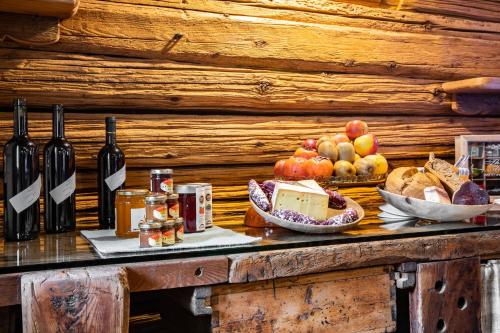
338, 138
294, 168
309, 144
366, 145
279, 168
305, 153
355, 129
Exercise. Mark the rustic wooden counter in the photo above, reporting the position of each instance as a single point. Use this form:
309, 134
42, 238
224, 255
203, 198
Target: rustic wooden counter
285, 277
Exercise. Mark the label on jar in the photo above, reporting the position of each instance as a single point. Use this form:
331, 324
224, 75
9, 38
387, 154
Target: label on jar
200, 208
179, 232
117, 179
167, 185
173, 211
159, 213
136, 217
64, 190
208, 206
155, 239
27, 197
168, 236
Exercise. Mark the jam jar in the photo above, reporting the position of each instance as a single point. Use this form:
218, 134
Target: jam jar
173, 206
192, 207
161, 181
208, 202
179, 230
150, 234
156, 209
130, 211
168, 233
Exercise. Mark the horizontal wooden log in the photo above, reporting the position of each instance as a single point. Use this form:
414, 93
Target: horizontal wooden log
176, 140
481, 10
56, 8
94, 82
293, 262
252, 41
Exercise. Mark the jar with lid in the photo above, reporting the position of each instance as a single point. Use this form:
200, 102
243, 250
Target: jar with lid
173, 206
179, 230
130, 211
192, 207
168, 233
156, 209
150, 234
208, 203
161, 181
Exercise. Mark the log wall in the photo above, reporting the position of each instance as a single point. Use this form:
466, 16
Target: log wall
219, 90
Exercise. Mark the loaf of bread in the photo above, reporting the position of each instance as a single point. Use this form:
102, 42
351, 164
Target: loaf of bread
446, 173
408, 181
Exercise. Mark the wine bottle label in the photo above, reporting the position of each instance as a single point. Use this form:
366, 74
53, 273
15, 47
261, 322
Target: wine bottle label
27, 197
64, 190
117, 179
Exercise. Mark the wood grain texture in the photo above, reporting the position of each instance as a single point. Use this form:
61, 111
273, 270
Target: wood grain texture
84, 81
177, 274
294, 262
41, 31
56, 8
93, 299
9, 285
447, 294
236, 40
319, 303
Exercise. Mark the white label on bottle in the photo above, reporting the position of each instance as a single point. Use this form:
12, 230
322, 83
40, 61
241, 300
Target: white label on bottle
200, 208
27, 197
117, 179
208, 206
136, 217
64, 190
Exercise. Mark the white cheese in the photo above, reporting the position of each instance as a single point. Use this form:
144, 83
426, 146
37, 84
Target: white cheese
308, 200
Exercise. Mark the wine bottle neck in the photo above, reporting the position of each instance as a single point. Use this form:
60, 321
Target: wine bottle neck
20, 118
110, 137
57, 121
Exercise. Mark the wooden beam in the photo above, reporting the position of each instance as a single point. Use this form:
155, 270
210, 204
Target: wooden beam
447, 297
57, 8
93, 299
293, 262
49, 77
252, 41
477, 85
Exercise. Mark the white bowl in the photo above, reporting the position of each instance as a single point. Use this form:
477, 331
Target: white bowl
432, 210
310, 228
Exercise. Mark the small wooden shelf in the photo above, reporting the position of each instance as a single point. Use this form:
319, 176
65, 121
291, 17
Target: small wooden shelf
55, 8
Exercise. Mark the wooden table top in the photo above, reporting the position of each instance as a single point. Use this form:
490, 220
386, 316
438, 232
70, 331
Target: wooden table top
72, 250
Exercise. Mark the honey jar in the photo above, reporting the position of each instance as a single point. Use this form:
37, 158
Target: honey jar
130, 211
156, 208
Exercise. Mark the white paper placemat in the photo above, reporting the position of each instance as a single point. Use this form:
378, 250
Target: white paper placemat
105, 242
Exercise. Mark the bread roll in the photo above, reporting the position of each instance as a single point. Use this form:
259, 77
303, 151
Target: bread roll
408, 181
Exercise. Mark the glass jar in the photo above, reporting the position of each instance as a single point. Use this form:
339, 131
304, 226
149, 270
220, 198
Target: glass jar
168, 233
161, 181
179, 230
150, 234
130, 210
192, 207
156, 209
173, 206
208, 203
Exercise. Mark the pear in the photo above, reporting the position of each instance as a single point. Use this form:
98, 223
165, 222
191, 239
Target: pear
328, 149
344, 169
346, 151
364, 167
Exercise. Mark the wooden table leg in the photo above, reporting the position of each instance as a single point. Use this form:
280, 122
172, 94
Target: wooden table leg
94, 299
447, 297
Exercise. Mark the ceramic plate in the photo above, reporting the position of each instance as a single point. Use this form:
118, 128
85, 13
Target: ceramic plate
314, 229
432, 210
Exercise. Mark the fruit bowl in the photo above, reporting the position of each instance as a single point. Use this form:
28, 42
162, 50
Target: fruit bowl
310, 228
344, 181
432, 210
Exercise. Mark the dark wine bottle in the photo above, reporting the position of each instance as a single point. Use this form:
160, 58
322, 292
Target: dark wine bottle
59, 178
111, 175
22, 182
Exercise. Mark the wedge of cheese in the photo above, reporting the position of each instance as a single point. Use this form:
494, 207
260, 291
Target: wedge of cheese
308, 199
